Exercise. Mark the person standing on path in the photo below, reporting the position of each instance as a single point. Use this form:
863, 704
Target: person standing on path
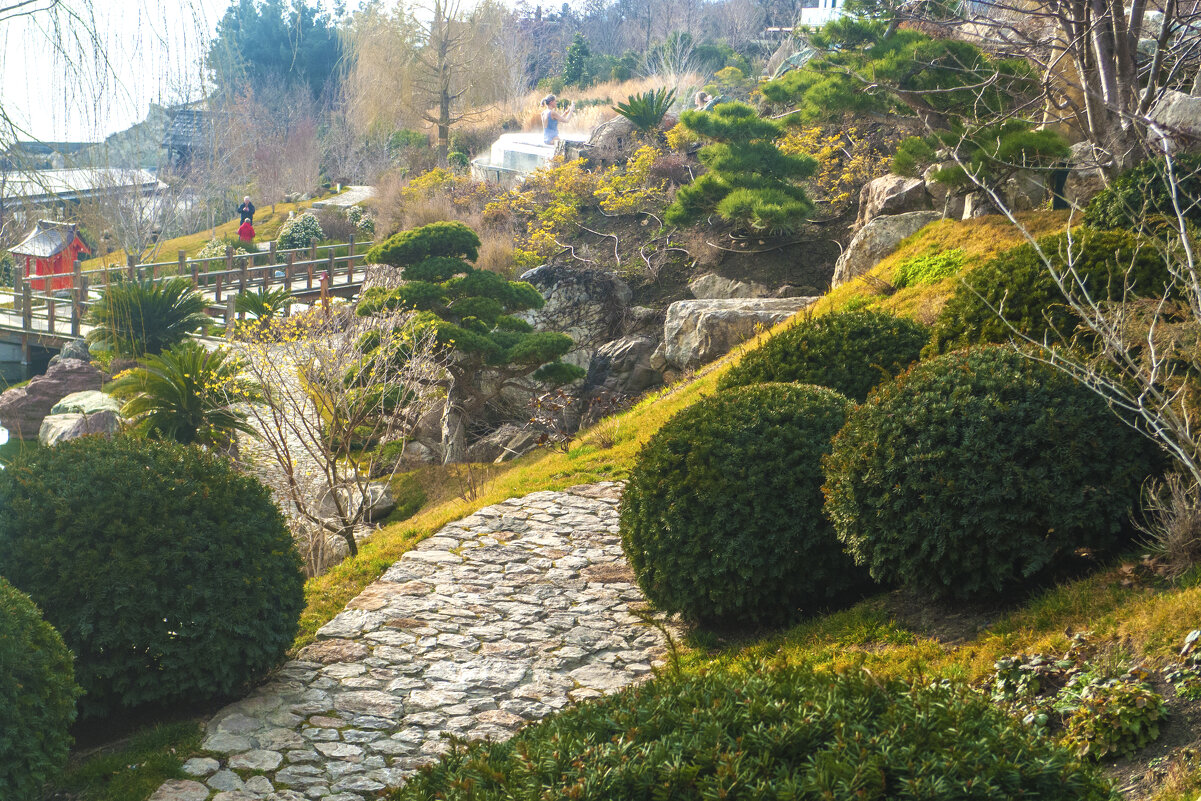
551, 117
246, 210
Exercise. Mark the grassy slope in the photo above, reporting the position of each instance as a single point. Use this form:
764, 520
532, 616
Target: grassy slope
1140, 622
266, 226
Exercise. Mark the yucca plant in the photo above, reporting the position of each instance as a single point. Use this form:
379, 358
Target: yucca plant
187, 394
134, 318
262, 304
648, 109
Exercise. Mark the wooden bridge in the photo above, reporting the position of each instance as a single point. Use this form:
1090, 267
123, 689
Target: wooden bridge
39, 318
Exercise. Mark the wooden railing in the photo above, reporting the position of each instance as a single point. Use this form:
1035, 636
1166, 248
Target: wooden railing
61, 312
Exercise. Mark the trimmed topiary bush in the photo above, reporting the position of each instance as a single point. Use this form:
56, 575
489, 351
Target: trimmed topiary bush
849, 351
1017, 284
767, 733
169, 574
978, 469
721, 518
37, 694
1143, 193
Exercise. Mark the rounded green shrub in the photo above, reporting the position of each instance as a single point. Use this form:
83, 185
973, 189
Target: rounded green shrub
978, 469
1143, 193
1016, 291
721, 518
170, 575
301, 231
768, 733
37, 694
849, 351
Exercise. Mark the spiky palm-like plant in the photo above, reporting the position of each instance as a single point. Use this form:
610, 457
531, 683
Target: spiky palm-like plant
262, 304
187, 394
648, 109
134, 318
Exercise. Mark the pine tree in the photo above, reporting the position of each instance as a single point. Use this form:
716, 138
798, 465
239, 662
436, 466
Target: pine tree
575, 66
750, 182
471, 312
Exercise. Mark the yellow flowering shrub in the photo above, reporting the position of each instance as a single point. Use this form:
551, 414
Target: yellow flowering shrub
632, 188
846, 160
551, 199
681, 139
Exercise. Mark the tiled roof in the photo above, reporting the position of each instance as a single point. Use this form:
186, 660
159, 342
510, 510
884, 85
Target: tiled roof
49, 238
189, 128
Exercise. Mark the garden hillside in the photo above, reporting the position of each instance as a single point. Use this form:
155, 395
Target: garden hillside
1093, 616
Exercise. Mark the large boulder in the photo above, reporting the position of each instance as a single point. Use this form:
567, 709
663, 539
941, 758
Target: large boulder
75, 349
505, 443
59, 427
891, 194
712, 286
22, 409
876, 240
623, 367
89, 401
612, 142
1178, 116
587, 305
698, 331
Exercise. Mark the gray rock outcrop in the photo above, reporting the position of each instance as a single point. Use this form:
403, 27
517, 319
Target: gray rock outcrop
505, 443
698, 331
1178, 116
587, 305
22, 409
623, 367
876, 240
890, 195
90, 401
57, 428
712, 286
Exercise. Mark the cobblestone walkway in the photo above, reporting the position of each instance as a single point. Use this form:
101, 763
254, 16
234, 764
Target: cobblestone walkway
498, 619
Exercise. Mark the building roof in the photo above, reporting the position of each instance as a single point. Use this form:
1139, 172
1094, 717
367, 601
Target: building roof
189, 128
49, 238
75, 184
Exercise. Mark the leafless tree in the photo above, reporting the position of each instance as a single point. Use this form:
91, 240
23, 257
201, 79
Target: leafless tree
1105, 64
329, 410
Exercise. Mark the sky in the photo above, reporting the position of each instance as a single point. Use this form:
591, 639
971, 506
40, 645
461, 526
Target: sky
153, 48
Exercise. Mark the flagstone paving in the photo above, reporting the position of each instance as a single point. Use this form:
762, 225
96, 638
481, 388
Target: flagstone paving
500, 618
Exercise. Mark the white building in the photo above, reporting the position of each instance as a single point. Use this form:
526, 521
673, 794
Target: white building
822, 12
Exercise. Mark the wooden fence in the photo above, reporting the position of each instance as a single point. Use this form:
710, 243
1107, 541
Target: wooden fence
61, 313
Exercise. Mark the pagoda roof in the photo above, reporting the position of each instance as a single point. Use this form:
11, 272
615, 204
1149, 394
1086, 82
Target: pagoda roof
49, 238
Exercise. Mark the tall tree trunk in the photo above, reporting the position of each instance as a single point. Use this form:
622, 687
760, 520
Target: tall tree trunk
454, 430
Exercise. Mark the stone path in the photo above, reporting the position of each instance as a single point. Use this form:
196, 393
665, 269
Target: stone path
498, 619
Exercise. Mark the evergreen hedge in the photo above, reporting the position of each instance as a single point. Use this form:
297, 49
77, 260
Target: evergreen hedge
1143, 193
768, 734
978, 469
37, 698
171, 575
1018, 285
848, 351
721, 518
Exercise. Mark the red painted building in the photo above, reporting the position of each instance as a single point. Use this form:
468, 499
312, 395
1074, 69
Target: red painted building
47, 256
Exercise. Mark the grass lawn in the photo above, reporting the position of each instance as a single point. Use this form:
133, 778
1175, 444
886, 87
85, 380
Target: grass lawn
267, 223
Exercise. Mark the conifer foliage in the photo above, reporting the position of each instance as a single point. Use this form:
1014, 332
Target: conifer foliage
750, 182
472, 313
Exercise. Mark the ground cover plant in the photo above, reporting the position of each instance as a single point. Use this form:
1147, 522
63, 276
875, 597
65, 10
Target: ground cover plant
850, 352
768, 733
721, 518
977, 470
37, 694
170, 575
